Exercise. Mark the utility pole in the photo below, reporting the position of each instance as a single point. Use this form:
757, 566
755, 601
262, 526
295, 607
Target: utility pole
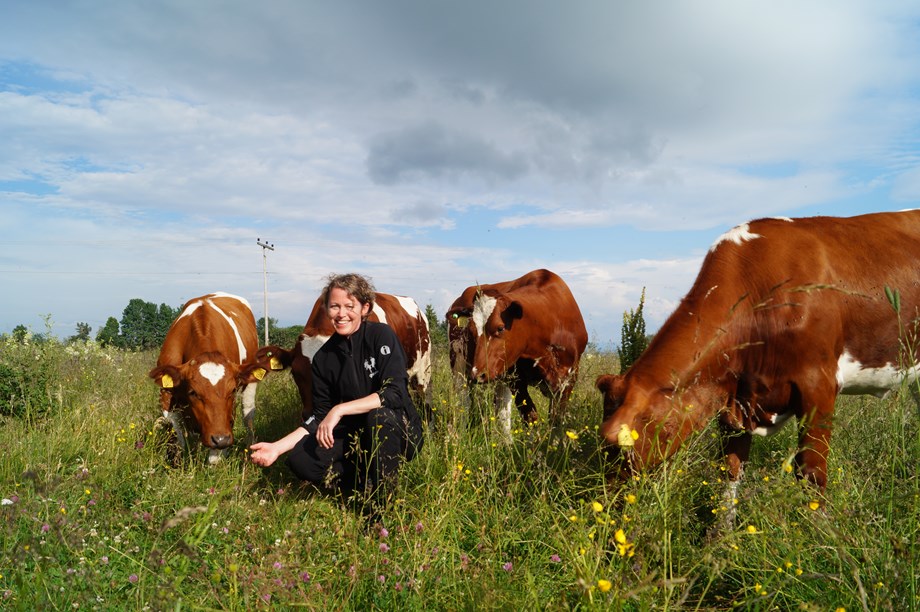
270, 247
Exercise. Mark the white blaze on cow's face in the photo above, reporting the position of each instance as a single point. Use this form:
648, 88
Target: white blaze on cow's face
483, 308
211, 396
214, 372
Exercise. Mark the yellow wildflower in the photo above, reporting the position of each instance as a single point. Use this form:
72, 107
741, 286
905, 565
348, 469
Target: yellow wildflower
814, 505
597, 506
630, 498
604, 585
571, 434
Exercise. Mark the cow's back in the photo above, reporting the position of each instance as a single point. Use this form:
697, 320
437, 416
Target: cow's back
216, 322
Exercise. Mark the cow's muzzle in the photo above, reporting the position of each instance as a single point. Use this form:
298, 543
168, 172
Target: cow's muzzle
221, 441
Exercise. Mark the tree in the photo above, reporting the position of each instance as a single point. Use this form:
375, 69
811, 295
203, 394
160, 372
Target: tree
633, 340
20, 333
108, 335
82, 335
437, 327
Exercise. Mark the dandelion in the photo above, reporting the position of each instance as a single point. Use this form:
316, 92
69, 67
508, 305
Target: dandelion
630, 498
624, 546
597, 506
604, 585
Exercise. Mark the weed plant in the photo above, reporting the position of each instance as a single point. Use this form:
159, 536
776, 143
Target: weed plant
93, 517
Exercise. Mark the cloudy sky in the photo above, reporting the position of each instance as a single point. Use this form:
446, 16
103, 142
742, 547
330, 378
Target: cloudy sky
145, 146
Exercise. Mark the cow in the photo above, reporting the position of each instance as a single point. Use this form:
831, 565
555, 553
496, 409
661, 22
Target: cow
528, 331
784, 315
401, 313
210, 352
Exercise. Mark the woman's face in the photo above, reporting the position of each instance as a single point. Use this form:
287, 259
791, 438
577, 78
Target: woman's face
345, 311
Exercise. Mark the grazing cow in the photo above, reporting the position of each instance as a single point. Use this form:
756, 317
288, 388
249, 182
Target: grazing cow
208, 354
528, 331
401, 313
784, 315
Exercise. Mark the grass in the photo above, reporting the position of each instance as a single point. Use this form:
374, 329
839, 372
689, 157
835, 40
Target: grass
94, 518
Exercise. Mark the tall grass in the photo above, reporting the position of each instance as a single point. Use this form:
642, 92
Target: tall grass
95, 518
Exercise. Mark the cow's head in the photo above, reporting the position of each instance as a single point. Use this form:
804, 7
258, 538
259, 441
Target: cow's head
498, 345
207, 384
644, 425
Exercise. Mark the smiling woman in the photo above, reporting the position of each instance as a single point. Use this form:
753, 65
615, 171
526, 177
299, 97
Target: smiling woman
364, 423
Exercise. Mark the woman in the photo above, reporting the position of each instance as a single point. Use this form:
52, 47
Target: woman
364, 424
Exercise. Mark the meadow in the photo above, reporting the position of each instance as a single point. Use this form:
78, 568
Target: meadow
93, 517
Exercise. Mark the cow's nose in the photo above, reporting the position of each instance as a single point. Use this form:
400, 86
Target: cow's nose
220, 441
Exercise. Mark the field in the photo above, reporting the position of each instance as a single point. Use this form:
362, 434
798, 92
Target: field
94, 518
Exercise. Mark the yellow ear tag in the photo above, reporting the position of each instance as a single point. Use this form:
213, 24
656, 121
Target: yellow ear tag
276, 364
259, 373
462, 321
166, 381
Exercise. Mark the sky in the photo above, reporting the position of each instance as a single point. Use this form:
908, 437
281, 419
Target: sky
147, 146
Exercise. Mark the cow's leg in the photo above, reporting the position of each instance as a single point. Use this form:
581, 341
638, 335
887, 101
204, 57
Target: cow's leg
736, 448
172, 455
504, 400
559, 400
249, 411
811, 460
523, 401
815, 427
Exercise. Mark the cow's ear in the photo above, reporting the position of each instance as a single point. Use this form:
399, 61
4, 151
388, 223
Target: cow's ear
609, 383
274, 357
250, 373
166, 376
515, 310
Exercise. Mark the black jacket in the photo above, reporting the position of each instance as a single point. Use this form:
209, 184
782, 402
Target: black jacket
371, 360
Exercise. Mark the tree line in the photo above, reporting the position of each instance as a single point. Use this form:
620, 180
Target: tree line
143, 325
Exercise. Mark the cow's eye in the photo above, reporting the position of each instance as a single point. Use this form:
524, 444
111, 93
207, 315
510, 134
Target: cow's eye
500, 330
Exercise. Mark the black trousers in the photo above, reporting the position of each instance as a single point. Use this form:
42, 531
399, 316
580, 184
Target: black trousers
366, 455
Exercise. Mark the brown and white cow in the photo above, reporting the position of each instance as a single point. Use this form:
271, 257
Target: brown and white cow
209, 353
524, 332
784, 315
401, 313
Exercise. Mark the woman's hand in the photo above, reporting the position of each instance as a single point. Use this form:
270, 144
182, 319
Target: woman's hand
324, 435
264, 453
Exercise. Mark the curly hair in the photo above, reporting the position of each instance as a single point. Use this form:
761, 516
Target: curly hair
357, 286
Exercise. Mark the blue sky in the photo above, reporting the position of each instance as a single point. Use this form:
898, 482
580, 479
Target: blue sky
146, 146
